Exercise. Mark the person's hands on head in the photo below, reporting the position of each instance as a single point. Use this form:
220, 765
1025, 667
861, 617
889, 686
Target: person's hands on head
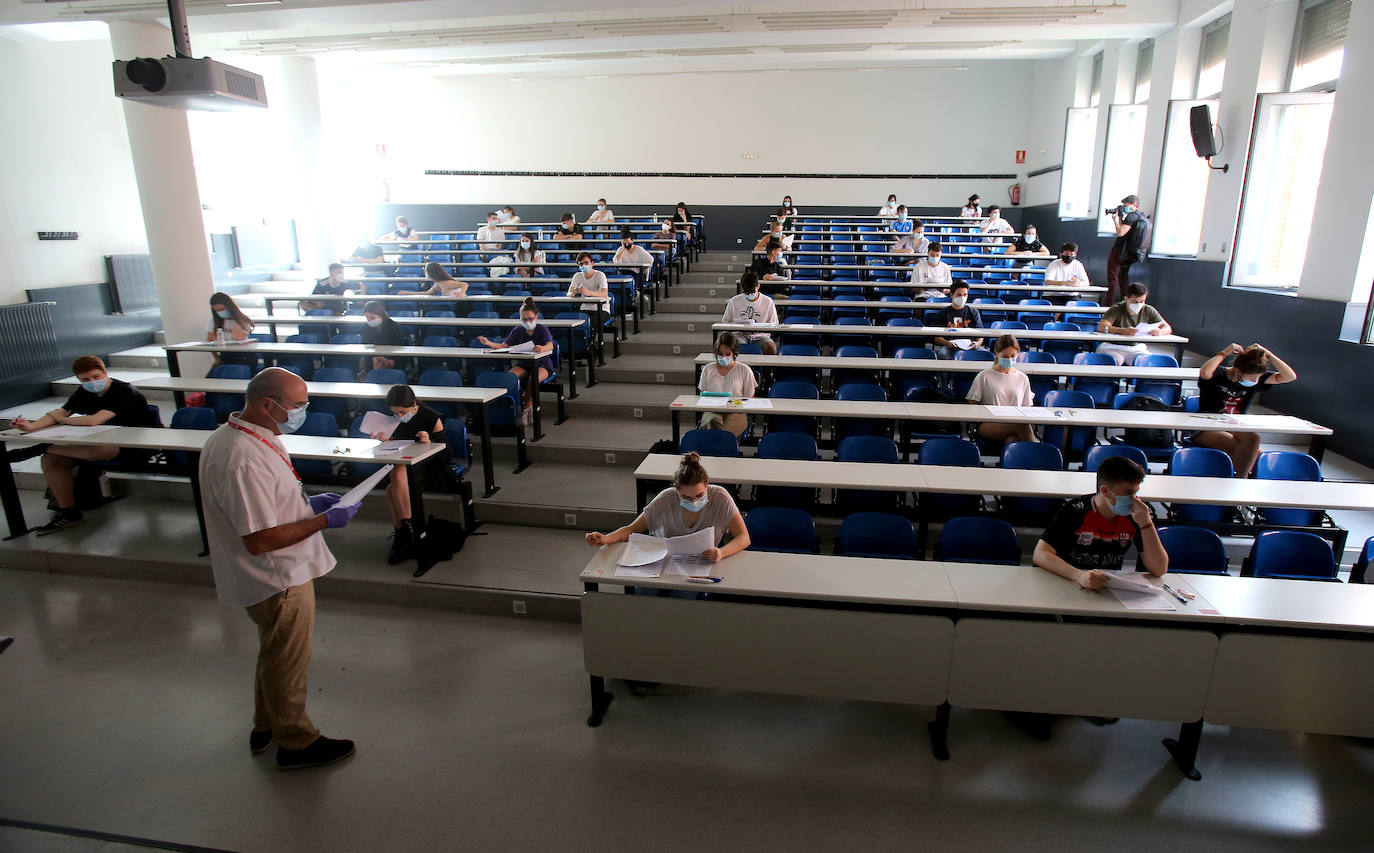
596, 539
339, 516
1234, 349
1094, 579
320, 503
1140, 512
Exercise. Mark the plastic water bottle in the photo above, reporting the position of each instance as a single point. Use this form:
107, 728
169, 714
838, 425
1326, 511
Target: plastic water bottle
219, 337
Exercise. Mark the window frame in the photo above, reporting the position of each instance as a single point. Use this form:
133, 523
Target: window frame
1160, 195
1223, 22
1294, 54
1146, 48
1102, 220
1064, 167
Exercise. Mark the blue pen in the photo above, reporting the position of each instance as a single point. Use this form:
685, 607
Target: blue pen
703, 579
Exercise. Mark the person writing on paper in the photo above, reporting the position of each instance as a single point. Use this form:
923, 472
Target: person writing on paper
601, 214
638, 261
1228, 383
444, 284
227, 317
418, 423
99, 400
528, 253
775, 233
1132, 316
933, 274
589, 282
1003, 385
772, 269
1090, 535
334, 285
730, 376
532, 331
751, 306
689, 505
957, 315
265, 552
492, 235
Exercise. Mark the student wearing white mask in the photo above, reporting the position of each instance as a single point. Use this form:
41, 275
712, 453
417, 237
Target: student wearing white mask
995, 224
666, 238
791, 209
932, 273
1126, 317
959, 314
689, 505
421, 424
889, 210
753, 307
529, 330
1029, 243
638, 262
381, 330
491, 236
730, 376
602, 213
1003, 385
507, 216
1228, 383
528, 253
588, 282
775, 232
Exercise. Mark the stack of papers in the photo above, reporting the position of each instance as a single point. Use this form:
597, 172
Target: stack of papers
1144, 329
379, 423
962, 343
391, 448
653, 556
1136, 593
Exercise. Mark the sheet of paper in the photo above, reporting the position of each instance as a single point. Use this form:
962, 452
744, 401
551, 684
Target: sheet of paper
1128, 581
652, 570
64, 431
356, 494
687, 565
692, 543
1005, 411
757, 403
234, 343
962, 343
1144, 329
643, 550
379, 422
391, 448
1152, 600
527, 346
801, 325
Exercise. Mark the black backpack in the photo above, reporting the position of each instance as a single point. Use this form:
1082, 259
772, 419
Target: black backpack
934, 394
1148, 437
1141, 235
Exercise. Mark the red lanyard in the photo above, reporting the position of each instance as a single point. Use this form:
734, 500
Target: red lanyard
271, 445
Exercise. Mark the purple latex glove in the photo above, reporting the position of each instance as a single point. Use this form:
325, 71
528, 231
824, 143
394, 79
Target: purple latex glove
339, 516
320, 503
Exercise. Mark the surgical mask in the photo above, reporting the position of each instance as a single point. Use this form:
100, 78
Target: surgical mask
1122, 505
682, 213
1030, 236
374, 323
665, 226
777, 235
892, 204
503, 216
1244, 383
601, 207
524, 244
406, 417
781, 218
933, 260
902, 216
294, 418
223, 315
528, 325
586, 269
725, 360
1005, 363
1135, 307
1066, 258
752, 296
95, 386
959, 301
694, 506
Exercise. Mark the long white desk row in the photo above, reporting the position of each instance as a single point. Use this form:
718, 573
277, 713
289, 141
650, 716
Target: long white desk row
1261, 653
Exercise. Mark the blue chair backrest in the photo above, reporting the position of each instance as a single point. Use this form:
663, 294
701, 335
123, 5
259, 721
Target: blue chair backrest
1061, 326
1094, 358
231, 371
1287, 465
793, 389
319, 423
867, 448
449, 378
1099, 452
1032, 455
1201, 462
789, 531
787, 445
978, 539
456, 437
1194, 550
799, 349
1155, 360
333, 374
303, 339
440, 341
1291, 553
1120, 401
1360, 568
855, 351
1192, 404
864, 391
916, 352
1015, 325
511, 385
1036, 356
949, 451
710, 442
346, 338
193, 417
876, 534
974, 355
386, 376
1069, 400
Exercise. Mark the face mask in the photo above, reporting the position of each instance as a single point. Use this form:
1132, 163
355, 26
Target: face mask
1030, 236
1135, 307
524, 244
95, 386
1068, 259
959, 301
567, 226
1244, 383
404, 232
933, 260
503, 216
406, 417
665, 226
294, 418
627, 246
374, 323
1122, 505
892, 204
752, 296
725, 360
682, 213
601, 207
902, 216
223, 315
694, 506
1005, 363
528, 325
586, 269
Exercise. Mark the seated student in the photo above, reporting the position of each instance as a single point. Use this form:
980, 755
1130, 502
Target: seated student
1123, 318
444, 284
589, 282
957, 315
1029, 243
751, 306
995, 224
640, 261
227, 317
933, 274
903, 227
775, 232
402, 232
689, 505
528, 253
601, 214
1090, 535
529, 330
731, 376
381, 330
421, 424
772, 268
889, 210
366, 251
682, 219
491, 237
973, 209
568, 229
1230, 389
786, 217
507, 217
666, 238
789, 208
1066, 269
915, 243
1003, 385
334, 285
99, 400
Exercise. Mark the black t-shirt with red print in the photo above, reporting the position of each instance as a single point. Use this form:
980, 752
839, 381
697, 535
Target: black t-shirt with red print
1227, 396
1086, 539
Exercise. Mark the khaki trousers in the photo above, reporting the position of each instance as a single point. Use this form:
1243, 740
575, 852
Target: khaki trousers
286, 622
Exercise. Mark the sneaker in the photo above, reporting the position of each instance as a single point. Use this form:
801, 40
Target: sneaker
258, 741
61, 520
402, 545
322, 751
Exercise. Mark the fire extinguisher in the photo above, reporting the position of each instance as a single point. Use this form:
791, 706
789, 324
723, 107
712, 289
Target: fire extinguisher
1015, 193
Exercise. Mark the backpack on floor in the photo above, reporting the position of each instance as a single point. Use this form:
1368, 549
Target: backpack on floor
1148, 437
440, 540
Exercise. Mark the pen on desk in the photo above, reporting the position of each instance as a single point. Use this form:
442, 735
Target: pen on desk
703, 579
1175, 593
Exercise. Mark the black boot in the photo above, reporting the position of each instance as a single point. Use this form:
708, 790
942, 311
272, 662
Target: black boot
402, 544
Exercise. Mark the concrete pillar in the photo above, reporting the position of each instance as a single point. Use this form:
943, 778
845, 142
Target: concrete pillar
165, 171
295, 98
1112, 83
1163, 70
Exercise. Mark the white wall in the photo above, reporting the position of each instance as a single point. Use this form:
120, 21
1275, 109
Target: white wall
1054, 84
66, 165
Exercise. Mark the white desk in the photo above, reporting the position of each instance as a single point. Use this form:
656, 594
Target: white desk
905, 284
927, 305
931, 365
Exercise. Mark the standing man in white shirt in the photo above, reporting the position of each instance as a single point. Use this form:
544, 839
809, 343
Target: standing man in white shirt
601, 214
1066, 269
934, 275
995, 224
492, 236
266, 551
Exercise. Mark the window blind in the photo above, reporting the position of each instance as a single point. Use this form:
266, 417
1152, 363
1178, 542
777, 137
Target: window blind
1145, 60
1214, 38
1323, 30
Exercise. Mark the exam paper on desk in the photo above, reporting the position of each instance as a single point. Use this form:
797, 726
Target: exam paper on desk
1136, 593
651, 556
61, 431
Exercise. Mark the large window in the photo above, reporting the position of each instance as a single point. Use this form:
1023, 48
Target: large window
1212, 64
1144, 65
1281, 189
1075, 180
1183, 180
1121, 166
1320, 46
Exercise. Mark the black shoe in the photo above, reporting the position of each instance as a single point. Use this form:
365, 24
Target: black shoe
319, 753
258, 741
61, 520
402, 545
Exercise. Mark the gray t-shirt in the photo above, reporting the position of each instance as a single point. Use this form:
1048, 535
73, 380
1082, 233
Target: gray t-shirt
664, 514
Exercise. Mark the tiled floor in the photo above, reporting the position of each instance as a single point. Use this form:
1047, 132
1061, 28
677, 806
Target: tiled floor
125, 708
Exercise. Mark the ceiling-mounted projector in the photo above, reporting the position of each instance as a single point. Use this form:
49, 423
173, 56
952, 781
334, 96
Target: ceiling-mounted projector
184, 83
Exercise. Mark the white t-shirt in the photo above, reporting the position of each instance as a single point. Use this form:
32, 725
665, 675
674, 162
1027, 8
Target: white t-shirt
972, 210
994, 388
890, 212
995, 226
1072, 271
491, 238
600, 215
738, 381
923, 273
596, 281
663, 515
231, 326
761, 310
248, 486
636, 256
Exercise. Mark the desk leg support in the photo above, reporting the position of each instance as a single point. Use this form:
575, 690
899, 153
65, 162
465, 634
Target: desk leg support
601, 340
9, 496
939, 732
572, 364
488, 470
1184, 749
532, 371
1316, 447
200, 505
677, 429
173, 365
601, 700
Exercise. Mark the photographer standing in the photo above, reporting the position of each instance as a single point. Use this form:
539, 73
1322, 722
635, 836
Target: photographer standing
1132, 232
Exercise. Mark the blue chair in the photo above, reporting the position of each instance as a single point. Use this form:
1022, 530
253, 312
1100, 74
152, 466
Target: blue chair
781, 529
839, 340
989, 314
1035, 319
1010, 325
1360, 568
347, 338
1292, 554
505, 414
386, 376
1079, 438
799, 374
895, 343
910, 382
226, 404
321, 424
709, 442
961, 382
1201, 462
1083, 320
949, 452
793, 390
1167, 390
860, 392
1064, 351
191, 417
1100, 452
978, 539
1103, 391
876, 534
1040, 385
872, 449
787, 445
847, 375
447, 379
1030, 456
1289, 465
1194, 550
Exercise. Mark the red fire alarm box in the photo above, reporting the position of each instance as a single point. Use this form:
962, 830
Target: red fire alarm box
1021, 156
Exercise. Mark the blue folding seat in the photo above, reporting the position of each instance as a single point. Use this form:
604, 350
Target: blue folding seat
1096, 454
793, 390
876, 534
1289, 465
1194, 550
978, 539
872, 449
320, 424
709, 442
949, 452
787, 445
225, 404
1030, 456
1201, 462
1292, 554
1080, 438
781, 529
191, 417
